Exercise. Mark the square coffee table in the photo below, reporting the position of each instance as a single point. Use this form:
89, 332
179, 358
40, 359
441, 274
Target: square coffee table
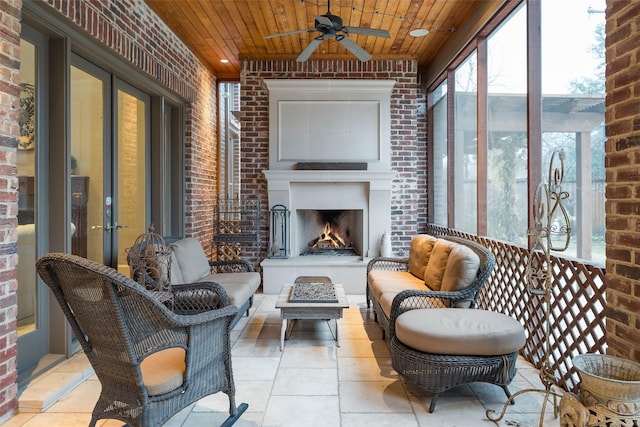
309, 310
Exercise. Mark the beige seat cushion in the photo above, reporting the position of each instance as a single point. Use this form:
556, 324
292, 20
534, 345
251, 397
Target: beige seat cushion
419, 253
163, 371
383, 281
460, 331
239, 286
191, 259
462, 268
435, 270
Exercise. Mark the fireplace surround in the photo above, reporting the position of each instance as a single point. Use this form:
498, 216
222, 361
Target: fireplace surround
334, 123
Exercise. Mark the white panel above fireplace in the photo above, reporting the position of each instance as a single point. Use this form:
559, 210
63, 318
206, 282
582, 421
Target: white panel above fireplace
329, 121
329, 131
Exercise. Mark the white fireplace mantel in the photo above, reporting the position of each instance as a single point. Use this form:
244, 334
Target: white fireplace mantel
329, 121
282, 179
367, 191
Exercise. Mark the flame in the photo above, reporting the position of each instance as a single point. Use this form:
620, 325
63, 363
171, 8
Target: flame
329, 238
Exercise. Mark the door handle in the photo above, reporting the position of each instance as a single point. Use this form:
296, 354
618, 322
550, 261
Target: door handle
108, 227
119, 226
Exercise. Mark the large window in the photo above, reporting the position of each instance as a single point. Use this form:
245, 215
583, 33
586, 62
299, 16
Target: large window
229, 134
507, 130
439, 116
510, 115
573, 94
466, 141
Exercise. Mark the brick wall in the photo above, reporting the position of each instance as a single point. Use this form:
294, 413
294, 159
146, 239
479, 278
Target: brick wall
623, 178
133, 31
10, 16
408, 148
130, 29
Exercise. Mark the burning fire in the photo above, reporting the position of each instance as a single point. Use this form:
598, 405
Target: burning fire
328, 239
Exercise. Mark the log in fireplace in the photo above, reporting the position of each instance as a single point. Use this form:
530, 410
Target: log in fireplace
333, 232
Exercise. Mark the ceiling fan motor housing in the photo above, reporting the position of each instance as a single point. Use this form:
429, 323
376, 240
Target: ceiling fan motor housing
336, 24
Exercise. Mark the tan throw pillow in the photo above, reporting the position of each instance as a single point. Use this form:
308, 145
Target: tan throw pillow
434, 272
462, 268
191, 259
419, 253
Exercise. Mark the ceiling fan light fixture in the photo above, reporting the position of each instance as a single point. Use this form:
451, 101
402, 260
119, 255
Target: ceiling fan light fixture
420, 32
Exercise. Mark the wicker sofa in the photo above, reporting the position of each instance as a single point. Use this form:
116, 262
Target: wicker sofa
189, 264
439, 272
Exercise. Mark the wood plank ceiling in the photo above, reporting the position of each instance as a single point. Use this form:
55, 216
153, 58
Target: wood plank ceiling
234, 30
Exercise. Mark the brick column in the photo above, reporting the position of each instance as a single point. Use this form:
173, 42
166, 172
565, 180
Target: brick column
10, 15
623, 179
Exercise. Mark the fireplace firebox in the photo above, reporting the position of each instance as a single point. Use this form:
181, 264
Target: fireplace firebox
330, 232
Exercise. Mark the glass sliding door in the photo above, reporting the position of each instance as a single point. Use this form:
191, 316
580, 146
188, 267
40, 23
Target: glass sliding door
109, 149
131, 171
32, 315
89, 131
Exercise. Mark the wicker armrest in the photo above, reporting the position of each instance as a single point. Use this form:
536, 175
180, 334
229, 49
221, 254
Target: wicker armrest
231, 266
386, 263
200, 297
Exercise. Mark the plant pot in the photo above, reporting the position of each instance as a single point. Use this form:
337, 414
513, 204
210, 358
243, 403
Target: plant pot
610, 381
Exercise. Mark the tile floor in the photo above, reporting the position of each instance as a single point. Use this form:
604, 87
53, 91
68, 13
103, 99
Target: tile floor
314, 383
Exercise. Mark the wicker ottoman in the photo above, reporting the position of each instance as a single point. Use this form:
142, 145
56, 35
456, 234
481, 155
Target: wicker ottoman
441, 348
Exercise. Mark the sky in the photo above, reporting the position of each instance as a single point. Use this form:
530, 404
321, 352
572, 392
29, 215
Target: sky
568, 32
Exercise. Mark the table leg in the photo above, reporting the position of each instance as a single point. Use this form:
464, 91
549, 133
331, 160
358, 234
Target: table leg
338, 332
283, 331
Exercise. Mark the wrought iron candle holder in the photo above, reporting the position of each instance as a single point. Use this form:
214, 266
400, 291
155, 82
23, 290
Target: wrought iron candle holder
551, 231
279, 232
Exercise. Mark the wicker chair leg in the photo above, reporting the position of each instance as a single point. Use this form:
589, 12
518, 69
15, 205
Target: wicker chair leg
508, 393
235, 415
432, 406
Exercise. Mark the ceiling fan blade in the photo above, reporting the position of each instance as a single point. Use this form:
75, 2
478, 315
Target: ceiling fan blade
306, 53
324, 21
288, 33
352, 47
367, 31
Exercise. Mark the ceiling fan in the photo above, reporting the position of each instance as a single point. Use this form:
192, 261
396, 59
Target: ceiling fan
331, 26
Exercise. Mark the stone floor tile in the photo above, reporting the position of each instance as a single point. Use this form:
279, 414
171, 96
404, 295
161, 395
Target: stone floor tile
298, 411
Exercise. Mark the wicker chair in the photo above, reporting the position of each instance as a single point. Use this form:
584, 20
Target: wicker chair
151, 361
435, 372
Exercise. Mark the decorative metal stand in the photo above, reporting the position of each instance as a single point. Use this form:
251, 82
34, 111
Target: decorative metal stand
150, 262
551, 232
279, 241
236, 228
